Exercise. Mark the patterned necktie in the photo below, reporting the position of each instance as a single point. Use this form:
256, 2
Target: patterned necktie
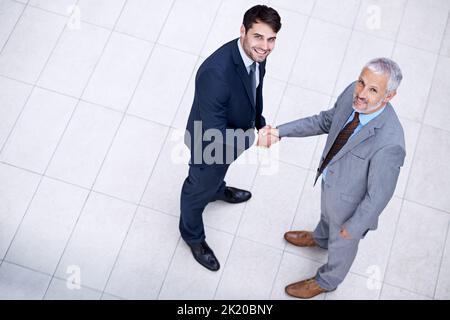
340, 141
253, 80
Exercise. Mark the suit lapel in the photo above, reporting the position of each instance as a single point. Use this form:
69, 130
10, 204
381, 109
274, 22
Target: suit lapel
365, 133
242, 72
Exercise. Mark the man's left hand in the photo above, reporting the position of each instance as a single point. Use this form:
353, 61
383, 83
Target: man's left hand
344, 234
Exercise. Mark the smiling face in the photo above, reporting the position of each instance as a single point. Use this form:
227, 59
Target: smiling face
258, 42
370, 93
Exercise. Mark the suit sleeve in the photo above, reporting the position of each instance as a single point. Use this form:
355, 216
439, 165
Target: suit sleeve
383, 175
213, 95
310, 126
314, 125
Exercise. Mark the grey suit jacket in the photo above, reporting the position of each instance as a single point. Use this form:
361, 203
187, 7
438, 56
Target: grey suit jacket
361, 178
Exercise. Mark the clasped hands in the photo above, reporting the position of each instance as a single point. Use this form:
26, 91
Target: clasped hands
267, 136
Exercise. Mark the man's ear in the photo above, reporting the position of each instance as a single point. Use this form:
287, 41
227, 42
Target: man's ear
390, 96
242, 31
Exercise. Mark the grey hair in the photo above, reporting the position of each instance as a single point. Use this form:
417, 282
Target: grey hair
387, 66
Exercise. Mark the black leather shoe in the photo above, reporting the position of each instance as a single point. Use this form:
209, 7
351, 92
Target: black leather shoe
235, 195
205, 256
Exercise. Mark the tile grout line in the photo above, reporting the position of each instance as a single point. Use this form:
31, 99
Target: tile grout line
397, 222
169, 127
415, 151
299, 48
172, 123
284, 83
315, 147
318, 140
63, 134
441, 262
285, 9
157, 158
13, 127
19, 18
251, 187
420, 133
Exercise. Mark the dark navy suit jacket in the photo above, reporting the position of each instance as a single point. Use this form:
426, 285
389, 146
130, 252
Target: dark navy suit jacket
223, 100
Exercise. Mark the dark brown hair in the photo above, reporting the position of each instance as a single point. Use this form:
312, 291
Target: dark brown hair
262, 13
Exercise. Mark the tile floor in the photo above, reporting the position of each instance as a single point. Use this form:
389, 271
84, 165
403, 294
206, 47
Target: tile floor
93, 95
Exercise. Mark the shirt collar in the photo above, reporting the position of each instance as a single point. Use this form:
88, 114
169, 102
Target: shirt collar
366, 118
247, 61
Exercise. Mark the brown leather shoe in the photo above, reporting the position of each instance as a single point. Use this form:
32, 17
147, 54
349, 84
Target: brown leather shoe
305, 289
300, 238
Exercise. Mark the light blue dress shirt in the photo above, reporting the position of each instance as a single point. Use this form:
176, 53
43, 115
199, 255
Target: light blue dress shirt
363, 120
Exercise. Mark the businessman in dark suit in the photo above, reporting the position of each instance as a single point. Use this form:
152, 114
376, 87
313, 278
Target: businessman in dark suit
227, 108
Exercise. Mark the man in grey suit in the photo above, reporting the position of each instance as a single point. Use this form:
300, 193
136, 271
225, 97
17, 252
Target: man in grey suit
360, 166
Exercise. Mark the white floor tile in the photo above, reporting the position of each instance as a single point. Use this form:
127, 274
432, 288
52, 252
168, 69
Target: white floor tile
393, 293
184, 109
169, 174
424, 23
411, 130
437, 114
380, 17
144, 18
63, 290
279, 63
356, 287
418, 248
340, 12
195, 30
273, 91
445, 49
84, 145
17, 283
46, 228
315, 58
250, 271
16, 190
225, 216
271, 211
163, 85
131, 159
74, 59
30, 44
417, 68
96, 241
307, 218
145, 256
362, 48
187, 279
113, 83
33, 140
299, 103
330, 55
61, 6
13, 96
443, 285
10, 12
101, 12
305, 6
429, 177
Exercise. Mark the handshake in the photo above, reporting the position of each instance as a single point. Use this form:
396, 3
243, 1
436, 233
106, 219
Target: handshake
268, 136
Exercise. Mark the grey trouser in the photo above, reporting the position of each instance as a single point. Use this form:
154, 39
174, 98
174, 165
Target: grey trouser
341, 252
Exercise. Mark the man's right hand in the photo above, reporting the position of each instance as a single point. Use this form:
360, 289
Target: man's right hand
267, 136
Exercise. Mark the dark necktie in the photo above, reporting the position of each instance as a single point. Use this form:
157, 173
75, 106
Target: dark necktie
253, 80
340, 141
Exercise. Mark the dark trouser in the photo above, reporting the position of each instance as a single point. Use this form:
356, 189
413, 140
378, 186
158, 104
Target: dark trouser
203, 185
